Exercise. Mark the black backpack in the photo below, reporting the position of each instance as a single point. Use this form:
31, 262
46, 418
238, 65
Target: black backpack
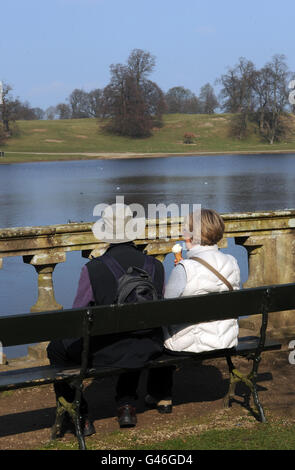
135, 284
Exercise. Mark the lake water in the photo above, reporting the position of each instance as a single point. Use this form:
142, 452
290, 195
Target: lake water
57, 192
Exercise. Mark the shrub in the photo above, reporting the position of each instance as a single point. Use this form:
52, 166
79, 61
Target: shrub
188, 138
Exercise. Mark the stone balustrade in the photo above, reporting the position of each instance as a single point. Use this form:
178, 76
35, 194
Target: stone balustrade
269, 238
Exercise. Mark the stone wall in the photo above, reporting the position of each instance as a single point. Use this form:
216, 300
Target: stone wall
269, 238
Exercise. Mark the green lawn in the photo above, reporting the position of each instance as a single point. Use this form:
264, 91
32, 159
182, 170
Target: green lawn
263, 437
259, 437
232, 429
80, 136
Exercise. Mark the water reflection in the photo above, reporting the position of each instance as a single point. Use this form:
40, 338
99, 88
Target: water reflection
56, 192
52, 193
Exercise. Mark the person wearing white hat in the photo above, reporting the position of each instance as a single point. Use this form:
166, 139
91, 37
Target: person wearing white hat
98, 286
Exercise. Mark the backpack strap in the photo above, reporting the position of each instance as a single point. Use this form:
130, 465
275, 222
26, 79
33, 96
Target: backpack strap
118, 271
149, 266
214, 271
113, 265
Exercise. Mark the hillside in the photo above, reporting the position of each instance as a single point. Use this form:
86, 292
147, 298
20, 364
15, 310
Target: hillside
85, 136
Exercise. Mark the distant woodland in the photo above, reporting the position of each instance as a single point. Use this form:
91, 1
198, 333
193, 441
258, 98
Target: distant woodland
132, 104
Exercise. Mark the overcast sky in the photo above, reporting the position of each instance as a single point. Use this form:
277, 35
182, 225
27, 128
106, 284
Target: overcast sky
50, 47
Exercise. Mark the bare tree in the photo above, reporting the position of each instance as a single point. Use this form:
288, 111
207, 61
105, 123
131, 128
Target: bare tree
261, 86
208, 100
6, 106
237, 91
278, 98
39, 113
12, 109
95, 103
63, 111
258, 95
271, 87
79, 103
182, 100
51, 113
133, 103
140, 64
154, 101
3, 134
238, 95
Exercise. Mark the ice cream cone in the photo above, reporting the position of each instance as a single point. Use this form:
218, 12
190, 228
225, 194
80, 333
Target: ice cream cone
178, 257
177, 251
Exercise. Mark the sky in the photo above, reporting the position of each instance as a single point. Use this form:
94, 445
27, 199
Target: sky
50, 47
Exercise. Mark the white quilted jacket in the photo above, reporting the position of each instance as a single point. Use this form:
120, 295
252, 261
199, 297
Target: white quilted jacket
202, 337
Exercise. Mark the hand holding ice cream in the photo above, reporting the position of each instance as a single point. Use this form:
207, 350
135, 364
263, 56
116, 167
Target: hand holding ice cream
177, 250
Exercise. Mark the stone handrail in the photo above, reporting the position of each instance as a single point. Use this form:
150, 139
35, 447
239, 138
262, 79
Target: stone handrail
269, 238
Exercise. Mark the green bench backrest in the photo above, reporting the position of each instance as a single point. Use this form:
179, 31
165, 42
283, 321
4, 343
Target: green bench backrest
45, 326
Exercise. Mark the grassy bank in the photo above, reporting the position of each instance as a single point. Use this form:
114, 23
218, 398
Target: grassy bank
84, 138
219, 432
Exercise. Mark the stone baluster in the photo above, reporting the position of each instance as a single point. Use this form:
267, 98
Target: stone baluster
256, 252
271, 260
44, 265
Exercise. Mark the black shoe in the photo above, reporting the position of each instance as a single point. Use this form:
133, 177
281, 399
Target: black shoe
127, 416
87, 426
163, 406
68, 426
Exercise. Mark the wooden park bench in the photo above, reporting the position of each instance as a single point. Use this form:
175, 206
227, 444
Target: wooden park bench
102, 320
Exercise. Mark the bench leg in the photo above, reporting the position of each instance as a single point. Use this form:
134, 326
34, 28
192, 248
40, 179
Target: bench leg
232, 383
77, 422
56, 430
73, 410
252, 377
235, 377
231, 391
250, 381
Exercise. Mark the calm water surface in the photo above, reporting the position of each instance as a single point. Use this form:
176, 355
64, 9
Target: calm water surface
58, 192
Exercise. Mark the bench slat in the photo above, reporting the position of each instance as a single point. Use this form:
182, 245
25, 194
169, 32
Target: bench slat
34, 376
45, 326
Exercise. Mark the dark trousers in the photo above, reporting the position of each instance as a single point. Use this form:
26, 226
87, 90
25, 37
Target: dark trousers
68, 353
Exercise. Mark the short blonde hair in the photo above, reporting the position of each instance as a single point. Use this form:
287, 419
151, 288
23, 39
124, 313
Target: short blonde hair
212, 226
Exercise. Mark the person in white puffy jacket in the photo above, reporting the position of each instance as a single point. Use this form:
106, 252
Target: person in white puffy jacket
189, 277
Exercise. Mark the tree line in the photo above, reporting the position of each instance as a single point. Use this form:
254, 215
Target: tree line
13, 109
131, 104
82, 104
259, 96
